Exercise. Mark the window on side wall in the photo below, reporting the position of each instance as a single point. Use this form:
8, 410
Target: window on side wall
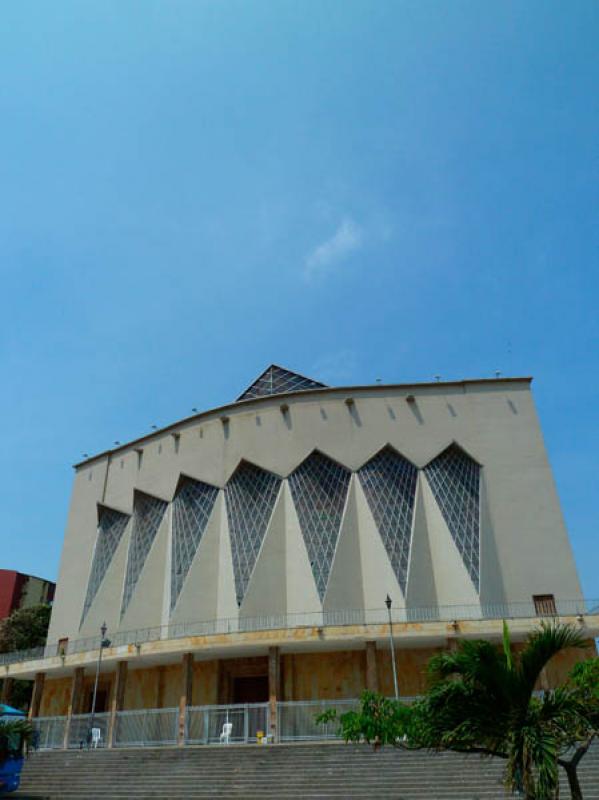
544, 605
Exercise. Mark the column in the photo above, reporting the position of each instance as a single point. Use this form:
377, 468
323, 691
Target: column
372, 677
161, 687
274, 679
36, 695
117, 700
185, 698
74, 701
7, 686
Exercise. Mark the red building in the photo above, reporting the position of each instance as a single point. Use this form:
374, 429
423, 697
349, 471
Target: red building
21, 591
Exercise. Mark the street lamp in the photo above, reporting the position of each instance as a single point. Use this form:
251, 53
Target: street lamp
104, 642
395, 686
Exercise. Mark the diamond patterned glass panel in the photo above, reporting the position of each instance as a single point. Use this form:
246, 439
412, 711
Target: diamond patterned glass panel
279, 381
250, 495
192, 507
147, 516
455, 480
389, 483
319, 487
111, 526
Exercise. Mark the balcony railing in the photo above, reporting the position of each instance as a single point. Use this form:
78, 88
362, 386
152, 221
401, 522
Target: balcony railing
311, 619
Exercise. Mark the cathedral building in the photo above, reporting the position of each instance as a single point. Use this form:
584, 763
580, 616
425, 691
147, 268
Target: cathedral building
256, 561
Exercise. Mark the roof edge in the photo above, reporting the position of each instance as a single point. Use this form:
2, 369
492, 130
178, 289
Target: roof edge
300, 393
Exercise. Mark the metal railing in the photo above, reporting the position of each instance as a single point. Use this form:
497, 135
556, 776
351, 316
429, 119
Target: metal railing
49, 732
316, 619
205, 724
153, 727
146, 728
80, 730
296, 721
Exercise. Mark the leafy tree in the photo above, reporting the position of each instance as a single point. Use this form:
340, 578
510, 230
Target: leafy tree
379, 721
24, 629
482, 700
576, 739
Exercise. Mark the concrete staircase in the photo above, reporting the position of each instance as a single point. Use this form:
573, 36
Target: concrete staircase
279, 772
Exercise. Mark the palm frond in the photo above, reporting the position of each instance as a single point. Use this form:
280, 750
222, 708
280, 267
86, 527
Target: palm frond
540, 649
477, 663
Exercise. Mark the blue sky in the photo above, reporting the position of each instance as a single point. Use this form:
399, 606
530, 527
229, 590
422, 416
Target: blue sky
190, 191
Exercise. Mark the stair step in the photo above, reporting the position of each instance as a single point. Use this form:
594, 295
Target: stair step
302, 771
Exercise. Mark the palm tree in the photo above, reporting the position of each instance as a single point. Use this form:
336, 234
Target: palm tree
482, 699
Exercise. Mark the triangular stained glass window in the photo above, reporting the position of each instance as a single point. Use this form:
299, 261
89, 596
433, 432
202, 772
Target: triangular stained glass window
250, 496
192, 507
111, 526
148, 513
276, 380
454, 478
319, 488
389, 483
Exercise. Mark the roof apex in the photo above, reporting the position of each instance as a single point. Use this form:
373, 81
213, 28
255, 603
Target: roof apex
278, 380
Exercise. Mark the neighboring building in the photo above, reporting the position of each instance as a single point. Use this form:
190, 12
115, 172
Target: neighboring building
22, 591
244, 554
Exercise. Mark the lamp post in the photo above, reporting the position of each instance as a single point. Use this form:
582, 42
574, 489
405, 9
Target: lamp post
104, 642
395, 686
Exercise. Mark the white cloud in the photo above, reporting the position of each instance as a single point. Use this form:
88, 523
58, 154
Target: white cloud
347, 238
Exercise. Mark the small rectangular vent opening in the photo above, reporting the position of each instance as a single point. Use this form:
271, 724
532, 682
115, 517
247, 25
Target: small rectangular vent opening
544, 605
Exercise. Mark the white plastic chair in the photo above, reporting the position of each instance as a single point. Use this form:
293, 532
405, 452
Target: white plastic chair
96, 737
226, 733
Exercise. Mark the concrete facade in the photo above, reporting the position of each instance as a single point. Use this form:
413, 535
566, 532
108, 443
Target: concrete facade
493, 421
332, 675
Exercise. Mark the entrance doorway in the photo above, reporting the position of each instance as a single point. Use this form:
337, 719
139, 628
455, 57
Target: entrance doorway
250, 689
101, 701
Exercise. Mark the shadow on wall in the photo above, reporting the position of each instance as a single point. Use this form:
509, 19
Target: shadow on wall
354, 414
416, 412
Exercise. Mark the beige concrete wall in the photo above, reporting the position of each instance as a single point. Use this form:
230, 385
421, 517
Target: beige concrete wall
524, 545
160, 687
317, 676
205, 683
55, 697
141, 690
411, 670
